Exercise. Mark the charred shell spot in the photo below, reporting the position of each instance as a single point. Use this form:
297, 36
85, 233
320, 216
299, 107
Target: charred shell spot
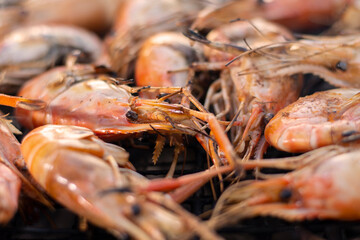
348, 133
268, 117
115, 190
285, 194
341, 65
131, 115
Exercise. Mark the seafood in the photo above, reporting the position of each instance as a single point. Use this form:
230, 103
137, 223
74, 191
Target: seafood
333, 58
324, 118
242, 34
348, 22
325, 188
160, 54
258, 97
95, 15
11, 15
29, 51
80, 96
297, 15
139, 19
10, 158
9, 181
92, 186
253, 98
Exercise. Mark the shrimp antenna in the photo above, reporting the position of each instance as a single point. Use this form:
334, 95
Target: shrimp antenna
268, 46
235, 117
167, 96
157, 131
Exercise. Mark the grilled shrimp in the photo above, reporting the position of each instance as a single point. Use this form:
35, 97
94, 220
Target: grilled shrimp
160, 54
251, 98
333, 58
79, 96
11, 15
325, 188
138, 20
29, 51
78, 170
95, 15
297, 15
348, 23
256, 32
10, 182
324, 118
11, 159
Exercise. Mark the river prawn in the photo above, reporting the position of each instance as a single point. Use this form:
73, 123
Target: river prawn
320, 119
11, 15
297, 15
13, 177
140, 19
348, 22
241, 34
160, 56
10, 182
95, 15
29, 51
323, 188
252, 98
333, 58
79, 96
92, 186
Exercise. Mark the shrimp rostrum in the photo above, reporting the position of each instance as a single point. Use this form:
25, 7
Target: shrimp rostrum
81, 172
325, 188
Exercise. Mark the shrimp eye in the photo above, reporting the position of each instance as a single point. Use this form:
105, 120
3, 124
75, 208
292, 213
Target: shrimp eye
341, 65
268, 117
285, 194
133, 116
136, 209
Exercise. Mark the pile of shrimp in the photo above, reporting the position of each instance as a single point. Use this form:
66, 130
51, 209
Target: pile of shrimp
88, 81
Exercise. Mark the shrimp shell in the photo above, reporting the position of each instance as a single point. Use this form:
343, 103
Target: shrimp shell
321, 119
74, 168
